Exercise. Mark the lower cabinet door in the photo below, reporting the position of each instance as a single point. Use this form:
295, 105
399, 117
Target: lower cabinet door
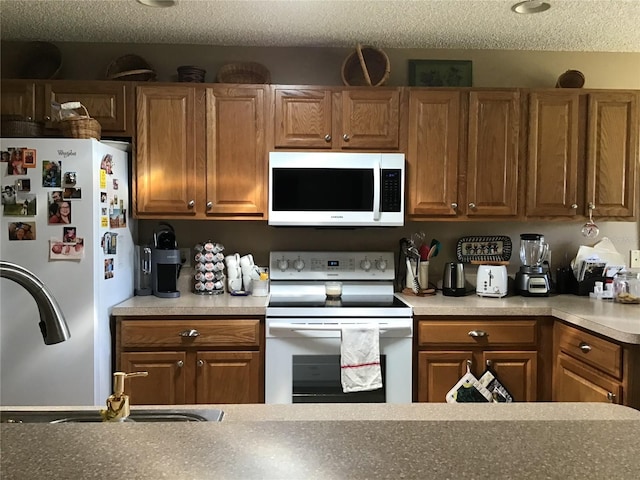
166, 383
438, 372
574, 381
228, 377
517, 371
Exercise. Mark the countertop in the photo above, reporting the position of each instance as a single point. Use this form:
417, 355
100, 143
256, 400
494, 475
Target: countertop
339, 441
614, 320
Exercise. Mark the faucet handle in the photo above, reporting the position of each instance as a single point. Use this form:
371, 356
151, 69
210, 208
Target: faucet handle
120, 377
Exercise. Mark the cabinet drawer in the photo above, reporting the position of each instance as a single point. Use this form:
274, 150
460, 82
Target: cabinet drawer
190, 333
472, 332
595, 351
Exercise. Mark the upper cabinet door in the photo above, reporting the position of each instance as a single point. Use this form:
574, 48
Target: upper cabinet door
555, 169
166, 177
236, 152
612, 153
370, 119
433, 153
303, 118
19, 98
493, 140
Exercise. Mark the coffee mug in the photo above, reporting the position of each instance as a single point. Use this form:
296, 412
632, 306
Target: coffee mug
233, 272
232, 260
246, 282
246, 260
235, 284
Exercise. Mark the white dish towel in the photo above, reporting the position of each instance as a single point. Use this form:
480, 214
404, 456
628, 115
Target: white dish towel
360, 358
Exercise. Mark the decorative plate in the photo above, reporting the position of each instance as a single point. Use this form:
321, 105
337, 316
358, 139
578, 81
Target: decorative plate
483, 249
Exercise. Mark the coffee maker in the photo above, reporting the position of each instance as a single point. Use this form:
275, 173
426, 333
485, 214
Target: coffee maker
531, 279
165, 263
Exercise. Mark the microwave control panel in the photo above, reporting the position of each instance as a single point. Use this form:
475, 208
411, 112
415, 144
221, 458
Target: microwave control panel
391, 191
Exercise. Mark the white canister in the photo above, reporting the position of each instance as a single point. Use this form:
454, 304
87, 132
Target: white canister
423, 275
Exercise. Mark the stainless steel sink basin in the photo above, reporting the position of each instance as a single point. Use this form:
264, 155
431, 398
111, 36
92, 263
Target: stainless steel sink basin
89, 416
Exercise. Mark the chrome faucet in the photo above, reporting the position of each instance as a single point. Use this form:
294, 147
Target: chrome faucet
52, 323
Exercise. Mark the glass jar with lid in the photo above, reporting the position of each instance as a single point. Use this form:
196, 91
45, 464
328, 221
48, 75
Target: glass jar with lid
626, 287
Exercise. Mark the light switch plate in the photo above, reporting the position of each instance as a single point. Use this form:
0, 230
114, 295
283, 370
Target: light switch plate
635, 259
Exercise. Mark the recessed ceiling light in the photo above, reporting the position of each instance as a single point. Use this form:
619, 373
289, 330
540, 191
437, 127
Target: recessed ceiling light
531, 6
158, 3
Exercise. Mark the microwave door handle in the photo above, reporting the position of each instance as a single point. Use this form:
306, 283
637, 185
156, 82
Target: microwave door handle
376, 192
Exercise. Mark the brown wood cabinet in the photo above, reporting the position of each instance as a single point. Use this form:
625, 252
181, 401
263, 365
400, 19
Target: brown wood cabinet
582, 153
463, 153
433, 154
111, 103
201, 152
509, 346
192, 360
590, 368
336, 118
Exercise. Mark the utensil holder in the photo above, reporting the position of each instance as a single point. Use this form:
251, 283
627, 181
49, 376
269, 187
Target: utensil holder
423, 275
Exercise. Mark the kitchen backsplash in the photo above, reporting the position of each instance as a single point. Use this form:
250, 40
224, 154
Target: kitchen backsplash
259, 239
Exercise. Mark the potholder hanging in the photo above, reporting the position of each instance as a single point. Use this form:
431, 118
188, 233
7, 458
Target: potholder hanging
499, 393
468, 390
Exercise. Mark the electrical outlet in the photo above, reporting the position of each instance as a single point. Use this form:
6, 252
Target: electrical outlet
635, 259
185, 257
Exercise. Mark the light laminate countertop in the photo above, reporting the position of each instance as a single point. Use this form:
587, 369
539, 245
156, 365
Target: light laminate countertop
339, 441
614, 320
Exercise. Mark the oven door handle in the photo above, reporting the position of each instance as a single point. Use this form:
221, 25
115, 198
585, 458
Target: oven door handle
297, 327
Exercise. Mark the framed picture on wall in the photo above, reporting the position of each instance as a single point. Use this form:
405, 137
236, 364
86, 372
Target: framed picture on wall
440, 73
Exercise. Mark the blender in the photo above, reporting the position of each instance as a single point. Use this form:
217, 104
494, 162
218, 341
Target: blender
531, 279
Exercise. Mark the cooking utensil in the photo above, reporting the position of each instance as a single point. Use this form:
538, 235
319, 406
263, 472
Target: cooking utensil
415, 283
435, 249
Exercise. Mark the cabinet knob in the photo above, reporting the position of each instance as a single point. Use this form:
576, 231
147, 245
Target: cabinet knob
478, 333
472, 205
47, 118
28, 119
190, 333
209, 205
454, 206
574, 206
592, 206
611, 397
180, 363
200, 363
585, 347
346, 137
191, 204
327, 138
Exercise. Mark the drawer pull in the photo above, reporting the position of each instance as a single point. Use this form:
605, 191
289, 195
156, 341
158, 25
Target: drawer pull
180, 363
611, 397
585, 347
478, 333
190, 333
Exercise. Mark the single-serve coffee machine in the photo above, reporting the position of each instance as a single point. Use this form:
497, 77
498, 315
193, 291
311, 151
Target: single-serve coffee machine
531, 279
165, 263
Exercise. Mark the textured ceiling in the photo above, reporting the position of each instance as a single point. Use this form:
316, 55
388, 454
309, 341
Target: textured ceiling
570, 25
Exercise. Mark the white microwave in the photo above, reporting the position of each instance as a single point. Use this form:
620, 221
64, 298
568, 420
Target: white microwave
335, 189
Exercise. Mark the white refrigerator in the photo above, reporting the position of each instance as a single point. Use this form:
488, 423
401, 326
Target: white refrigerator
66, 217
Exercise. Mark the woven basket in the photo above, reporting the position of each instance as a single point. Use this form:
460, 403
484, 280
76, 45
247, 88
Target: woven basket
570, 79
15, 128
190, 73
248, 72
131, 68
81, 127
366, 66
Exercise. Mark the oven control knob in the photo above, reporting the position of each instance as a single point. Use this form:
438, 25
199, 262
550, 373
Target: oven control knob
381, 264
283, 264
298, 264
365, 264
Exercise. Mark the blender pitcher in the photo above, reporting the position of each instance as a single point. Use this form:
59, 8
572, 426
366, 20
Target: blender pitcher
533, 249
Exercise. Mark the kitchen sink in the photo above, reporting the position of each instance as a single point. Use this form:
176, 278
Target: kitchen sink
93, 416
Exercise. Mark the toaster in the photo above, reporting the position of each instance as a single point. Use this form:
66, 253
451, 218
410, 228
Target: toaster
492, 281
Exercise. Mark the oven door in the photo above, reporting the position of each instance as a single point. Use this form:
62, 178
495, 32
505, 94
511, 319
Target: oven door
302, 363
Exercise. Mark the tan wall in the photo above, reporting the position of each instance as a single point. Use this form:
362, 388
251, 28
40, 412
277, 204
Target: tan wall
322, 66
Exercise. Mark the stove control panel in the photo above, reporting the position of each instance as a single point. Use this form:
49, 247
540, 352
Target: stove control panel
303, 265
